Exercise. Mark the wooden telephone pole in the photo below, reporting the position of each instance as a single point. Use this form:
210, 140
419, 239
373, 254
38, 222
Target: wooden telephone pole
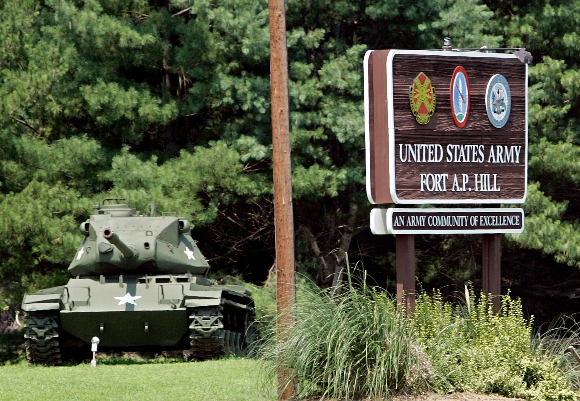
283, 213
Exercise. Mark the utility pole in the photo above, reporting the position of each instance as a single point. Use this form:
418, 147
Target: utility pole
283, 214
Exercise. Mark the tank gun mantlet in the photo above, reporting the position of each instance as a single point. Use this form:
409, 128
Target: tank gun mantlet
127, 251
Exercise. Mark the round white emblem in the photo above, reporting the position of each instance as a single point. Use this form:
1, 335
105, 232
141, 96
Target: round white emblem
498, 101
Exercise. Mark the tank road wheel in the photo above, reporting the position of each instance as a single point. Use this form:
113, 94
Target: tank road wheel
207, 332
41, 334
240, 331
250, 340
237, 343
250, 335
232, 342
227, 348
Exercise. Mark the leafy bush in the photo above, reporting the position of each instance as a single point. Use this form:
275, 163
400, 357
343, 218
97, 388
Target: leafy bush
472, 348
556, 344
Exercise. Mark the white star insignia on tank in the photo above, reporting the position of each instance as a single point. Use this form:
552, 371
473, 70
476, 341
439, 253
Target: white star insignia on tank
81, 251
127, 299
189, 253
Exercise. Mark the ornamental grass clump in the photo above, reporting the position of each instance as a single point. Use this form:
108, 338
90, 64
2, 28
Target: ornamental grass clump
349, 345
559, 343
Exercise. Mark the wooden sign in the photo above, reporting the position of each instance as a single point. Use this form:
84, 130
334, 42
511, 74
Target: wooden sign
447, 221
445, 127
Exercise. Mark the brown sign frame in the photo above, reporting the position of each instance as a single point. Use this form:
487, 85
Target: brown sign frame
470, 165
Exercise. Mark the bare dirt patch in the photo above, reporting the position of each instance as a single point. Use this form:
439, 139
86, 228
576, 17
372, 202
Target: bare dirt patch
440, 397
454, 397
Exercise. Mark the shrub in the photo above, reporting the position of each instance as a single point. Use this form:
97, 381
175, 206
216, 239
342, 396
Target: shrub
555, 344
472, 348
357, 344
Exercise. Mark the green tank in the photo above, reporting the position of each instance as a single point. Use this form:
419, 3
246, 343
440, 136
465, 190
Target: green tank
138, 283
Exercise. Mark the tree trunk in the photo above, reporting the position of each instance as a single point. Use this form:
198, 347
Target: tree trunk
332, 253
345, 241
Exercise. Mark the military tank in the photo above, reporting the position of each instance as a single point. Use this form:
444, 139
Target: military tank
138, 283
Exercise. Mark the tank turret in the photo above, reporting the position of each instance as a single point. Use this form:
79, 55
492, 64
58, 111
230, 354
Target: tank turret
139, 282
118, 238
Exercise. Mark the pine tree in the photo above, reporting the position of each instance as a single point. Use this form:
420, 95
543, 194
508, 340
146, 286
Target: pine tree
168, 101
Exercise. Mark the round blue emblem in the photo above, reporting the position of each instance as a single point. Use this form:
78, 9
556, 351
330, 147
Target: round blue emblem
498, 100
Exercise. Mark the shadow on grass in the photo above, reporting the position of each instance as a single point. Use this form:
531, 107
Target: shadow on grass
142, 357
128, 360
148, 358
12, 351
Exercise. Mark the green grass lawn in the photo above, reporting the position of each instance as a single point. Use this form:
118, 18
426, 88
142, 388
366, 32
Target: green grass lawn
227, 379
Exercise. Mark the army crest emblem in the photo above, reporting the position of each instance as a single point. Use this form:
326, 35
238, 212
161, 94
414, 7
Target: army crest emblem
422, 98
498, 101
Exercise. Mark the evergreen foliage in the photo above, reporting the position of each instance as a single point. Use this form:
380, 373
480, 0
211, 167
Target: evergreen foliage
168, 101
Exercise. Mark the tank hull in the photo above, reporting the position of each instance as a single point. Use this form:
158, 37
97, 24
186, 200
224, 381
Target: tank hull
145, 312
133, 311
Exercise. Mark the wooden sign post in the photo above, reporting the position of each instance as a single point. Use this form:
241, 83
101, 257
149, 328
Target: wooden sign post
491, 267
446, 127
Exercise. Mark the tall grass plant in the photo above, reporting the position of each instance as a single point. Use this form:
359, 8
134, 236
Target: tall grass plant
348, 345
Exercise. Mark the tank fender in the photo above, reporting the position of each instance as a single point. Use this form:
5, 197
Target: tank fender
37, 302
199, 295
237, 289
197, 302
238, 297
205, 289
202, 295
238, 305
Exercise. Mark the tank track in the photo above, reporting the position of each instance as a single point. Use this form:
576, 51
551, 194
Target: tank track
251, 335
41, 334
207, 333
215, 332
